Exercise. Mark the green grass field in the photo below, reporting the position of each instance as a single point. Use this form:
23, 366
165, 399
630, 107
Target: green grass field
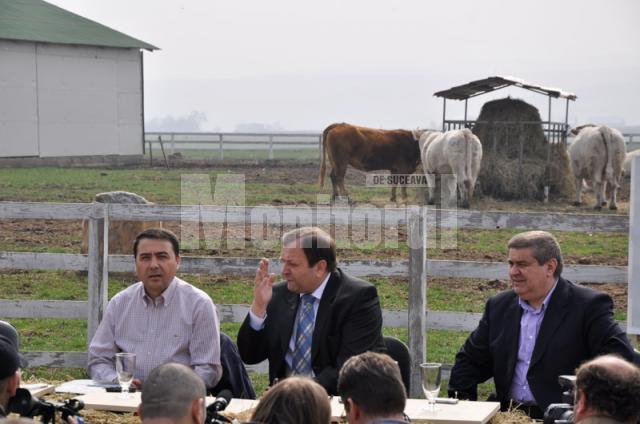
162, 186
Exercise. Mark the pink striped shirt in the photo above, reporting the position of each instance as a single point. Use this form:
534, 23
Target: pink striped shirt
181, 325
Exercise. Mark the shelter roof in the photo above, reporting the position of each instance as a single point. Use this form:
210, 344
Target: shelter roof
486, 85
39, 21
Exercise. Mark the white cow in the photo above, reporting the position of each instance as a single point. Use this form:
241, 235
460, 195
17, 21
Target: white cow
626, 166
457, 153
597, 155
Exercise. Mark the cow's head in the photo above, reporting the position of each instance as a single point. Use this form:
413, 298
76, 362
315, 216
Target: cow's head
418, 132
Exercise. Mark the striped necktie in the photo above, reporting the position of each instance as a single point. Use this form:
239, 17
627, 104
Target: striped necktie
301, 361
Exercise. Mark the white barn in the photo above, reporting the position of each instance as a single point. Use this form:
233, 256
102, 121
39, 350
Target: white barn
69, 87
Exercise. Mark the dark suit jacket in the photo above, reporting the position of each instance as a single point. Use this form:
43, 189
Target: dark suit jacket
577, 325
349, 322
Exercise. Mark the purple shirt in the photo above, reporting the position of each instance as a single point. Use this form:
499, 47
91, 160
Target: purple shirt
529, 328
181, 325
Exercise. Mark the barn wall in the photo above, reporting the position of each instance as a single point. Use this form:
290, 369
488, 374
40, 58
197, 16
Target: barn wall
88, 100
18, 100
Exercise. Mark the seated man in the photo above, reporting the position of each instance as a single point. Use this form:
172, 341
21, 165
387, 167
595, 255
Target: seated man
372, 390
161, 318
173, 393
607, 391
314, 321
543, 327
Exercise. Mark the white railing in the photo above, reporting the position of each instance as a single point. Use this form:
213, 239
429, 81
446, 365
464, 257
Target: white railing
172, 142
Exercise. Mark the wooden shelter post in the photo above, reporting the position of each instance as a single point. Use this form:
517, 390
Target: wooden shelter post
547, 171
566, 123
465, 111
633, 291
444, 112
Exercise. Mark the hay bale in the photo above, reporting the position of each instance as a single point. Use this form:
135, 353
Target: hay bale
508, 130
122, 234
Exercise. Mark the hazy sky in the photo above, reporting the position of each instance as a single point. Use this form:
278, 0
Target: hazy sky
304, 64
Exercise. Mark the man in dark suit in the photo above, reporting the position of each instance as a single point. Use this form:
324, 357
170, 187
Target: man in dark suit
543, 327
314, 321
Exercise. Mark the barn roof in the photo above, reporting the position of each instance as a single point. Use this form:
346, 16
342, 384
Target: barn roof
486, 85
39, 21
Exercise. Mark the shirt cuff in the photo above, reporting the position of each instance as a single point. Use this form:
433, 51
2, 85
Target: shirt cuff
255, 321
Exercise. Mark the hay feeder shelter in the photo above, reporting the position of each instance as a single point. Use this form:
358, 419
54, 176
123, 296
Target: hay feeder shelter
553, 133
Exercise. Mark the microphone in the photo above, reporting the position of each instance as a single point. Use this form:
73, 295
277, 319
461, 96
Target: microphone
222, 401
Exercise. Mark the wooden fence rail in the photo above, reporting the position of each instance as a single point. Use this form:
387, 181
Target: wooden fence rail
356, 267
383, 221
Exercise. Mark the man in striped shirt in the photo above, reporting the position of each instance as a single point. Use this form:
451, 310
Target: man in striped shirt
160, 318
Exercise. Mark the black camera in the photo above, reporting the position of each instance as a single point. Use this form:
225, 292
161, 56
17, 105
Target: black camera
26, 405
219, 404
558, 413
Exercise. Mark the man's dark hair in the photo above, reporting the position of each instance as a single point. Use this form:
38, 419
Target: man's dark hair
157, 234
611, 389
316, 244
544, 247
373, 381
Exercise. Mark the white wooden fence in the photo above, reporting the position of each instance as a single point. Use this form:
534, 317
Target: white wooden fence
173, 142
417, 268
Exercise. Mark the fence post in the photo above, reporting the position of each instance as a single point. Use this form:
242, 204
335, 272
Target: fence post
173, 144
417, 240
633, 289
98, 268
270, 146
220, 146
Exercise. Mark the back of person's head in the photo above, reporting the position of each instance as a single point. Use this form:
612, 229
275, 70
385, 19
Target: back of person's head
9, 375
157, 234
373, 382
294, 400
608, 385
173, 391
544, 246
316, 244
10, 333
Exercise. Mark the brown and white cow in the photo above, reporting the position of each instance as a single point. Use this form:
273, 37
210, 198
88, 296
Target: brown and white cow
367, 149
456, 154
597, 155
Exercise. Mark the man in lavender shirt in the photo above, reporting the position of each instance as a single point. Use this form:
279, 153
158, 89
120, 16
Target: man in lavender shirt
161, 318
544, 326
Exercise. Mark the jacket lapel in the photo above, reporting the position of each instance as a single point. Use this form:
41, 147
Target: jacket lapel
324, 312
553, 317
512, 329
291, 301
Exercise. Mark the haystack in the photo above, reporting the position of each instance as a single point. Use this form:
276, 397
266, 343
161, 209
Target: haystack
515, 154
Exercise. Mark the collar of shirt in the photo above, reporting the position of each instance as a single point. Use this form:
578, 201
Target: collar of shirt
317, 293
528, 308
165, 297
